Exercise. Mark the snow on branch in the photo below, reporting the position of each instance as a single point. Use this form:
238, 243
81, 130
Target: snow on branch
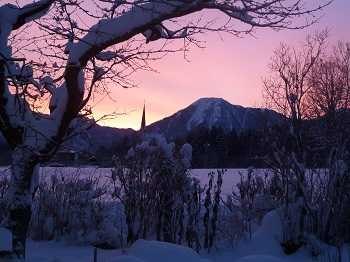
14, 110
13, 17
138, 19
271, 13
31, 12
146, 17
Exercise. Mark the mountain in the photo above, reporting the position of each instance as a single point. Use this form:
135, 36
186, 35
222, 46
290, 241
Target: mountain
214, 112
204, 113
97, 137
90, 138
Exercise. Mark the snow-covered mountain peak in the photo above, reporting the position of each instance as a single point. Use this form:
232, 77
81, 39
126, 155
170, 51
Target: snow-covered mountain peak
209, 100
212, 112
207, 111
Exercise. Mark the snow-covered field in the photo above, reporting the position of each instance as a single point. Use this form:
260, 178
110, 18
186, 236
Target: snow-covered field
231, 177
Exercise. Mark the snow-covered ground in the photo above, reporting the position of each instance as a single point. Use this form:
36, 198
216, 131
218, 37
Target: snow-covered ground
263, 247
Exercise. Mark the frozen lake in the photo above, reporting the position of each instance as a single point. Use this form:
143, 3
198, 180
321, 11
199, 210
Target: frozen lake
230, 179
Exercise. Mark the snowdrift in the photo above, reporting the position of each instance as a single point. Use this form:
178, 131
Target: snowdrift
155, 251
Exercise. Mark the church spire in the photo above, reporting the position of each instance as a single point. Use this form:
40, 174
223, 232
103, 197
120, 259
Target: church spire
143, 121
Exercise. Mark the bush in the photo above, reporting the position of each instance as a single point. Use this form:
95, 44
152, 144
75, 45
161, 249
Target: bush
252, 198
161, 200
4, 186
75, 208
314, 201
153, 184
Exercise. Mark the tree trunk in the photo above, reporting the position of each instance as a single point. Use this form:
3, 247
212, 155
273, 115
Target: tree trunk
24, 161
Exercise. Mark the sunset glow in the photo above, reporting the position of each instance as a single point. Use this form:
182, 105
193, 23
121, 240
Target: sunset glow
229, 67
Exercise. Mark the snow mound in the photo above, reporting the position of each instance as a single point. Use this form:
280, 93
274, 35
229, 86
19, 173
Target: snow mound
125, 258
5, 239
259, 258
266, 240
154, 251
271, 226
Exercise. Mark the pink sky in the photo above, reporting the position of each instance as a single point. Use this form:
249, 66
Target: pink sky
231, 68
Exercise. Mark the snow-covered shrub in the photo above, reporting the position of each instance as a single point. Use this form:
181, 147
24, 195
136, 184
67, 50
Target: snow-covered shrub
231, 224
313, 201
75, 208
256, 196
161, 200
4, 185
154, 185
328, 204
194, 207
245, 207
212, 204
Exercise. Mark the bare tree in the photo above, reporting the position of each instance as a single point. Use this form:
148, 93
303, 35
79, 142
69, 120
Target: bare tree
287, 88
329, 83
75, 46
